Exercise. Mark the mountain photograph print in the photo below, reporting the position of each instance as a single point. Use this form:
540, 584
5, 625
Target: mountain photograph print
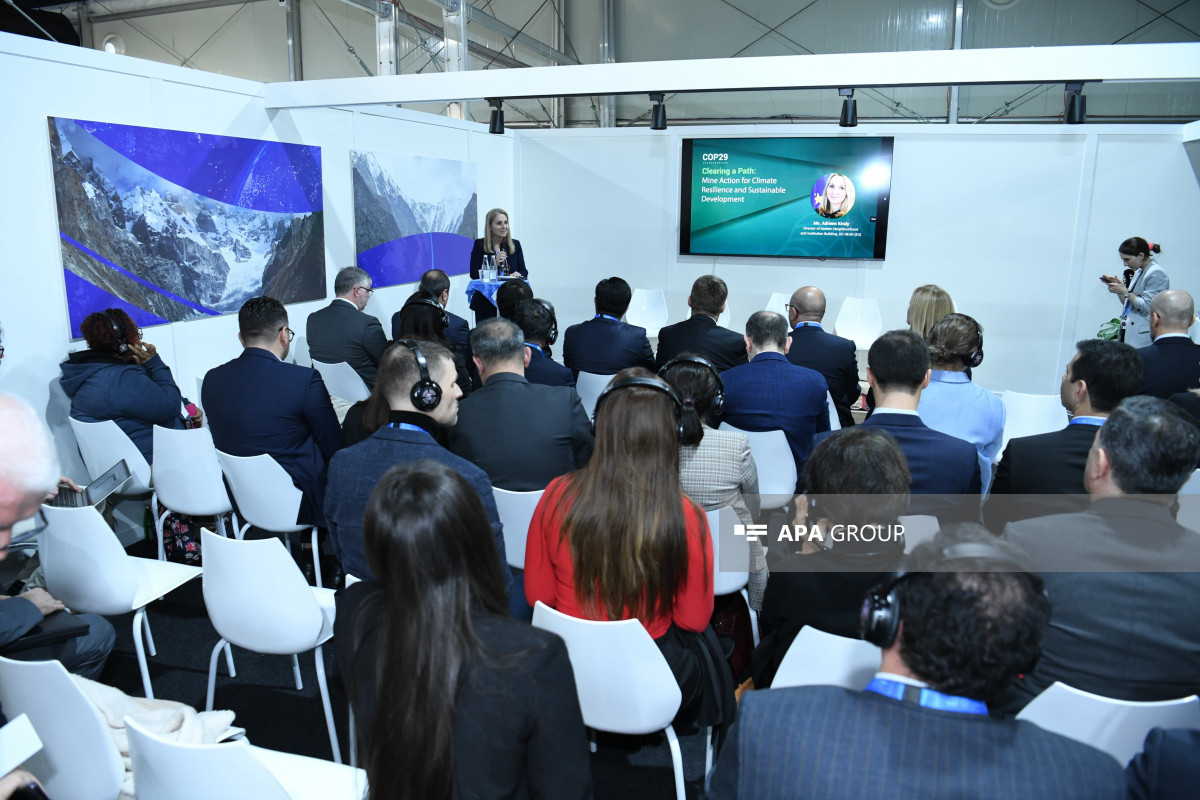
412, 214
171, 225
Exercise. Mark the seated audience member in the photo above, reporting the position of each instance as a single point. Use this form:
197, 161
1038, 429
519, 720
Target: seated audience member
716, 468
510, 295
700, 333
951, 403
953, 633
619, 540
451, 698
418, 380
343, 331
521, 434
1123, 624
1171, 364
927, 305
123, 379
1043, 474
535, 318
28, 475
367, 416
258, 403
770, 393
436, 284
1189, 401
1168, 768
605, 344
856, 476
830, 355
424, 319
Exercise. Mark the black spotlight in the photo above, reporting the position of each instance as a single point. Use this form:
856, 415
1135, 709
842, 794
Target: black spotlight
496, 122
658, 115
1075, 112
849, 118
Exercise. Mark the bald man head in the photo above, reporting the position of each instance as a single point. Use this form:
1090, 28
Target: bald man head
1171, 311
807, 305
28, 464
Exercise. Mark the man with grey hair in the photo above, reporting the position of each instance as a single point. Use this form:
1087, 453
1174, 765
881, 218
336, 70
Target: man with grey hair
523, 435
342, 331
1171, 364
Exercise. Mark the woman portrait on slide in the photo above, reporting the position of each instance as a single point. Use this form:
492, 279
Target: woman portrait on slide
1144, 278
497, 243
835, 198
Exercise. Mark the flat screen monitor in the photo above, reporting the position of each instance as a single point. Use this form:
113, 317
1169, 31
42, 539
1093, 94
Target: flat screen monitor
786, 197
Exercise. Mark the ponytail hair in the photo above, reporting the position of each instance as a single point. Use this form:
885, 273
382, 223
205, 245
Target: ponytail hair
697, 383
1137, 246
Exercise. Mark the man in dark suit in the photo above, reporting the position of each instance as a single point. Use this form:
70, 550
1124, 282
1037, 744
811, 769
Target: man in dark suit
952, 639
770, 393
1043, 474
522, 435
536, 320
423, 403
830, 355
258, 404
436, 284
342, 331
1124, 621
700, 333
1172, 363
606, 344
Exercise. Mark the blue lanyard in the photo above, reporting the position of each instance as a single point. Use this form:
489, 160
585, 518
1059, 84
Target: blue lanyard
1097, 421
606, 316
808, 325
408, 426
926, 698
535, 347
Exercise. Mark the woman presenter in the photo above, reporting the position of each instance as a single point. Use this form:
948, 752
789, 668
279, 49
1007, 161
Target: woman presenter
1144, 279
504, 251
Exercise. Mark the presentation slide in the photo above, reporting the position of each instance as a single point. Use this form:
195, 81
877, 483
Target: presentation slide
797, 197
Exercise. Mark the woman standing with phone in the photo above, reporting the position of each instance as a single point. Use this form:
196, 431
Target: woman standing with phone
1144, 278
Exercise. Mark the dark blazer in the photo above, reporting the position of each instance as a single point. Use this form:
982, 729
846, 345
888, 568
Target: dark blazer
458, 333
518, 730
833, 357
1168, 768
483, 307
700, 334
1040, 475
340, 332
826, 742
519, 450
258, 404
604, 347
1114, 631
1169, 366
546, 371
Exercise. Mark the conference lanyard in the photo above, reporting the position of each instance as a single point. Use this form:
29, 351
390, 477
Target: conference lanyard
1097, 421
534, 347
926, 698
606, 316
808, 325
408, 426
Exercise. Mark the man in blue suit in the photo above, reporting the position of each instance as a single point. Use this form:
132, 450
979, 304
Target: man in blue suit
536, 320
770, 393
258, 404
832, 356
606, 344
1171, 364
437, 285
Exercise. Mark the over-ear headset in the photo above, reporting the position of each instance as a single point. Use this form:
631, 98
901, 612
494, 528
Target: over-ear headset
123, 347
974, 358
425, 394
649, 383
424, 301
552, 335
718, 401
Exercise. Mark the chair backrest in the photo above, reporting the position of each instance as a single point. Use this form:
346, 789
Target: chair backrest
817, 658
299, 352
78, 760
777, 302
623, 680
265, 494
724, 318
199, 392
516, 511
772, 457
187, 475
859, 320
1118, 727
257, 597
589, 386
1029, 415
648, 309
103, 444
342, 381
167, 770
835, 424
730, 551
85, 565
918, 529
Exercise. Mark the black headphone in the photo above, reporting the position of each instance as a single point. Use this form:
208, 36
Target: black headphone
718, 401
552, 335
425, 393
974, 358
424, 301
123, 347
649, 383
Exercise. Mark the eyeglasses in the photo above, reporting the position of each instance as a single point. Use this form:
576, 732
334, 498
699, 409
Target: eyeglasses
139, 333
291, 333
787, 307
1, 351
368, 290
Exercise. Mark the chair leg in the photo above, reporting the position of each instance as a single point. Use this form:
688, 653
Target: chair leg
158, 527
212, 674
353, 738
221, 526
708, 752
316, 559
296, 672
676, 762
139, 646
229, 660
149, 635
591, 740
241, 532
333, 740
753, 618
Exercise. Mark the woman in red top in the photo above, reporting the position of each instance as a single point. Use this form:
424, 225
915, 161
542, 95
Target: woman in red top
619, 540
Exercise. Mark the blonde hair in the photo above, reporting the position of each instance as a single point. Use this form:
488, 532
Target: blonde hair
488, 245
929, 303
824, 210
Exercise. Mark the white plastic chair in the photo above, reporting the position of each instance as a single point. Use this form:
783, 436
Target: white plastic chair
1118, 727
88, 570
589, 386
299, 352
817, 658
170, 770
918, 528
257, 599
623, 680
516, 512
342, 381
835, 424
648, 309
734, 551
775, 464
78, 760
187, 478
103, 444
859, 319
724, 318
267, 498
777, 303
1029, 415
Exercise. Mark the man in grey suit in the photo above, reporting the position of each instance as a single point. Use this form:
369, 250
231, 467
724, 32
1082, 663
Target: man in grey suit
342, 331
523, 435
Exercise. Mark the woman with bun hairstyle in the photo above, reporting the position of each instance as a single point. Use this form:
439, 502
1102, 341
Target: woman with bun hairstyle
497, 244
1143, 279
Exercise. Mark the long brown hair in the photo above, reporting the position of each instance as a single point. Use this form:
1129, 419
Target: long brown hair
626, 525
